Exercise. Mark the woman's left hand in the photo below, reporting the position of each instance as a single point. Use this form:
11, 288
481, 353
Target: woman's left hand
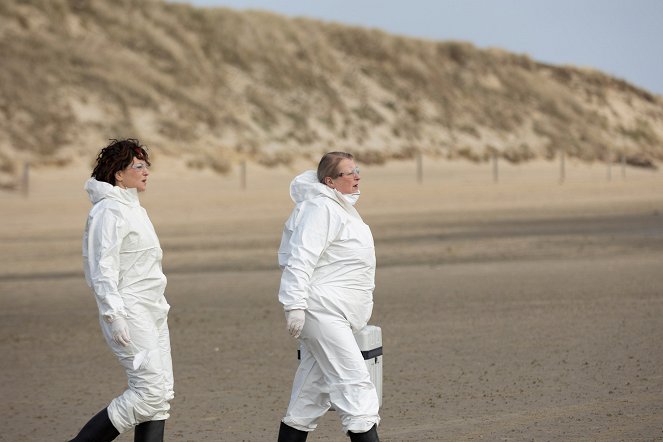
120, 331
295, 319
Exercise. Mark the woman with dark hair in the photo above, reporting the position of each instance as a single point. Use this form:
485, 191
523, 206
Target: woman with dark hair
122, 263
328, 261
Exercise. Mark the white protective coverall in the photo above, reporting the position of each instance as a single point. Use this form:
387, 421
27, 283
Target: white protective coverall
328, 260
122, 263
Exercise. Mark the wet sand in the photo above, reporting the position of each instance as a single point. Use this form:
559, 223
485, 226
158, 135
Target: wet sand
517, 310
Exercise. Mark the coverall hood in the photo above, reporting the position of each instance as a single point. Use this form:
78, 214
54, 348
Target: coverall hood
98, 190
306, 186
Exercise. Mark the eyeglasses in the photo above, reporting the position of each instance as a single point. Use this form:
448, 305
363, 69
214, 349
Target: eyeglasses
140, 166
354, 171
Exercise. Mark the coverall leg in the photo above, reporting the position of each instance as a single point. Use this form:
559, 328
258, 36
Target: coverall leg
332, 370
151, 382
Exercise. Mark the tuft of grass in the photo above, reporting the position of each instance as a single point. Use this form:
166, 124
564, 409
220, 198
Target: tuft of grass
641, 133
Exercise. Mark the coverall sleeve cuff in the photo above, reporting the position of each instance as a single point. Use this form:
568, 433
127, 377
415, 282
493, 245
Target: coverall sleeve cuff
298, 306
110, 317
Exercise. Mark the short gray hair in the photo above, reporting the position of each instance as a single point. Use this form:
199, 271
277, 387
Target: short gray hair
328, 165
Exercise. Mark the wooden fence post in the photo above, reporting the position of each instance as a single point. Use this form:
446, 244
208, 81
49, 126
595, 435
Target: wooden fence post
496, 172
420, 168
25, 179
242, 174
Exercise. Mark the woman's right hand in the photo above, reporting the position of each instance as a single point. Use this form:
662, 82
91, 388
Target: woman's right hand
295, 319
120, 331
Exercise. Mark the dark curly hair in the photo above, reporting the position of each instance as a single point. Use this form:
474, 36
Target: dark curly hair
118, 155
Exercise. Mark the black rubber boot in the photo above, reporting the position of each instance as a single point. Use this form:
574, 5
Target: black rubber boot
150, 431
289, 434
370, 436
98, 429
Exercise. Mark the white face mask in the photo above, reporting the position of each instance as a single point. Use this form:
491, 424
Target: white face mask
350, 198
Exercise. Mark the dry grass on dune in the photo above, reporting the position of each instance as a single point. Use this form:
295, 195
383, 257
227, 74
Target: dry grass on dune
215, 86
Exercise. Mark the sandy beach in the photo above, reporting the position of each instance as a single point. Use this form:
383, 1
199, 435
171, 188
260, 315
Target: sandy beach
516, 310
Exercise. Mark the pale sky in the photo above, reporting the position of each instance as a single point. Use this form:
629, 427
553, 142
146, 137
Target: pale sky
623, 38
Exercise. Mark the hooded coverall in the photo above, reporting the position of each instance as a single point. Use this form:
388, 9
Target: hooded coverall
328, 260
122, 263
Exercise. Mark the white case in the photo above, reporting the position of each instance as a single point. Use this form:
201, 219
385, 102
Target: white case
369, 339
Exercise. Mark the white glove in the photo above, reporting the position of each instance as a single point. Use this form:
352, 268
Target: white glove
120, 331
295, 320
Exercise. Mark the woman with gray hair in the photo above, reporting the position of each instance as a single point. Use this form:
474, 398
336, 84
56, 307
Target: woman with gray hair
328, 260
